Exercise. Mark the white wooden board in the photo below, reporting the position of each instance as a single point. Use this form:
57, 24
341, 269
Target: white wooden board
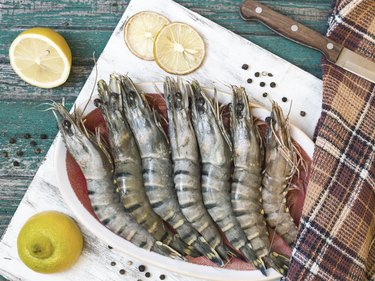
222, 67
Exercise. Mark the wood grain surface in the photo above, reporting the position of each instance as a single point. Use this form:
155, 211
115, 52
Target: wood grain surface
87, 26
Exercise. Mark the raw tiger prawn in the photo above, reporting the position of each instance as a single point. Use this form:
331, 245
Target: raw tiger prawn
94, 162
187, 170
127, 174
216, 155
157, 168
281, 164
200, 180
246, 192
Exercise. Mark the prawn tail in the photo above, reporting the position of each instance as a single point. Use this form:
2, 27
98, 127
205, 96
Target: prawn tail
165, 250
251, 257
183, 248
234, 253
205, 249
278, 262
226, 253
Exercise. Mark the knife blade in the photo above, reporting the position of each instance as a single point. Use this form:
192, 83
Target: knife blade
333, 51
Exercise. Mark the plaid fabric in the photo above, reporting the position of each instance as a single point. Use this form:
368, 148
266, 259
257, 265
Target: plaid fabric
336, 236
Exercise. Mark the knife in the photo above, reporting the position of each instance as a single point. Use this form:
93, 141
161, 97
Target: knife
334, 52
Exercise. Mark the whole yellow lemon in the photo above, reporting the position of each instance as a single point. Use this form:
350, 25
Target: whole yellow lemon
49, 242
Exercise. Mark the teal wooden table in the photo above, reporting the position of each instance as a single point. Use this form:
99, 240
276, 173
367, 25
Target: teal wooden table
26, 131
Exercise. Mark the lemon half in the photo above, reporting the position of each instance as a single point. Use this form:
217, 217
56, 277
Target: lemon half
49, 242
140, 32
179, 49
41, 57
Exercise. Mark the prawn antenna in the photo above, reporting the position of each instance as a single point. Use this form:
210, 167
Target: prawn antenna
289, 111
157, 118
93, 88
102, 145
159, 92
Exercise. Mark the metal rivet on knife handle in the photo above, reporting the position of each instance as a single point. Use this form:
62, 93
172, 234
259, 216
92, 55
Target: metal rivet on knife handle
258, 10
294, 28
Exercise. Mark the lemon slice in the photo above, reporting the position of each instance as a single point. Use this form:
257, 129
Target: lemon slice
41, 57
140, 32
179, 49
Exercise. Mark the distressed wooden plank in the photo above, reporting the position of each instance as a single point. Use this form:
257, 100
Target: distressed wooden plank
225, 13
24, 117
82, 43
95, 15
67, 14
14, 88
12, 190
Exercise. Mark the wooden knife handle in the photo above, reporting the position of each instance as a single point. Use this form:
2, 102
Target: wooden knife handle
252, 10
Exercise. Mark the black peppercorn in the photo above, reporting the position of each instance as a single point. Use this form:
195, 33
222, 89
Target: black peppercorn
270, 74
245, 66
262, 84
37, 150
284, 99
113, 263
19, 153
5, 154
12, 140
110, 247
273, 84
249, 80
302, 113
122, 271
265, 95
16, 163
256, 74
147, 274
162, 277
141, 268
27, 136
33, 143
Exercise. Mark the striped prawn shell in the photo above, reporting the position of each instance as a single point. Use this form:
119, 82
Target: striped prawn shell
246, 196
96, 168
157, 168
127, 175
187, 170
215, 151
279, 169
